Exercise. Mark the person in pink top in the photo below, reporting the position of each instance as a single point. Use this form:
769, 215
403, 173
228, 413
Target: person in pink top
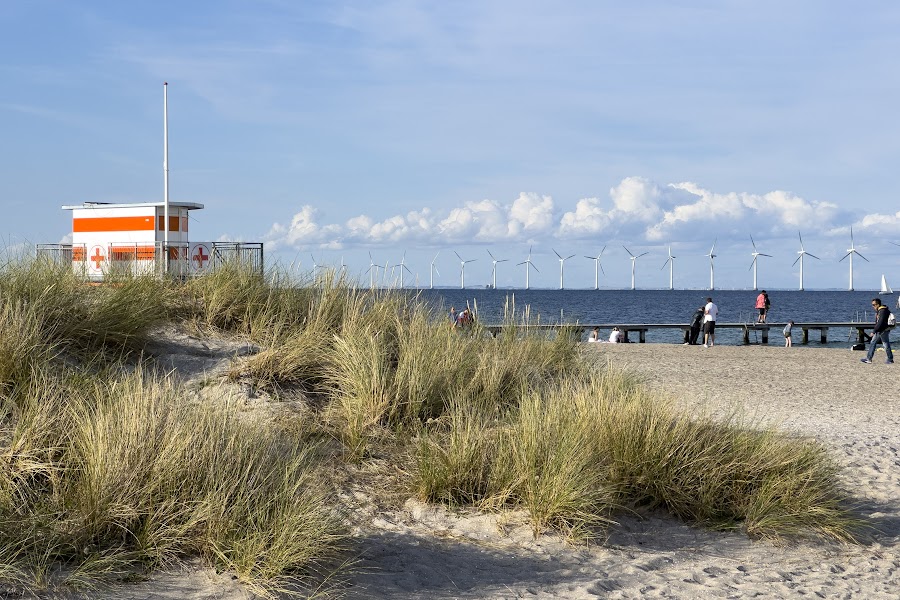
762, 305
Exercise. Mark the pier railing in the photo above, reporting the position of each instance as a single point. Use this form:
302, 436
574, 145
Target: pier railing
642, 329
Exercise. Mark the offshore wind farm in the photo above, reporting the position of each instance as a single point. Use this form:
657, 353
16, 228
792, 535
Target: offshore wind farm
524, 276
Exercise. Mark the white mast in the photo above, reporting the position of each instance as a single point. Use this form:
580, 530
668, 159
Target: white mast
166, 175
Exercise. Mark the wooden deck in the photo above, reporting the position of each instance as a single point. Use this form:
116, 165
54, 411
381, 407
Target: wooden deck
763, 329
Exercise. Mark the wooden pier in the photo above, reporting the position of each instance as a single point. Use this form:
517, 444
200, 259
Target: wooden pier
763, 329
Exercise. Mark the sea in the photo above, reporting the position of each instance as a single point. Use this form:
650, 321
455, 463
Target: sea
669, 306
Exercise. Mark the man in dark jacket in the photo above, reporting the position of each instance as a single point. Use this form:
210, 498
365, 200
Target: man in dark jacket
881, 332
696, 322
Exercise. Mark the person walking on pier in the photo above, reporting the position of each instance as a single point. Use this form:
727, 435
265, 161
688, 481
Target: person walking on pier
710, 311
880, 333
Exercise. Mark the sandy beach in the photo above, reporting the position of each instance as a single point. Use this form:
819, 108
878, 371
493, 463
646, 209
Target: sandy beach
416, 551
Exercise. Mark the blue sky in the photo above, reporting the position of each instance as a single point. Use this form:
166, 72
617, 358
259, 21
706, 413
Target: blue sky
338, 129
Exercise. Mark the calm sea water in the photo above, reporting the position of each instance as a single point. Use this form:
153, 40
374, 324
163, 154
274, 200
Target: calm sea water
670, 306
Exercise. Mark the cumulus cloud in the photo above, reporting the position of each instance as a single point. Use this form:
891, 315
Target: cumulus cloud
475, 221
636, 209
302, 230
881, 225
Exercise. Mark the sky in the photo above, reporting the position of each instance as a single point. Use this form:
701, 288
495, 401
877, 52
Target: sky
337, 130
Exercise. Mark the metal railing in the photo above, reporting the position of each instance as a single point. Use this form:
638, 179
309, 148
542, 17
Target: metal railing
174, 260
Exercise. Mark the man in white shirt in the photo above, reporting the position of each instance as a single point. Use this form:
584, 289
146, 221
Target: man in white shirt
710, 311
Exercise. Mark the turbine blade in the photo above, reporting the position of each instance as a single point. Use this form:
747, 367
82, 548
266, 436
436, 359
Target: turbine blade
795, 262
863, 257
643, 254
845, 256
814, 256
457, 255
752, 242
628, 251
556, 253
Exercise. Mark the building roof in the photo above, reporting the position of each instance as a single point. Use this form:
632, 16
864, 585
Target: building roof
88, 205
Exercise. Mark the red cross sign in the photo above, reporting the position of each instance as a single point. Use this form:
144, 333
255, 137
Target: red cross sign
98, 257
200, 257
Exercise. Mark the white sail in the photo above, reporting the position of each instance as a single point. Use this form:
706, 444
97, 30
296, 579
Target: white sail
885, 288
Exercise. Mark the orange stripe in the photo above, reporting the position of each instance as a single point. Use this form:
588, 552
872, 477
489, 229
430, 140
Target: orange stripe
93, 224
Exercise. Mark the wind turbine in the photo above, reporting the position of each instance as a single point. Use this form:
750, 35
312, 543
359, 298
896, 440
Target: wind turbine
802, 252
755, 254
462, 270
316, 266
712, 271
597, 268
403, 267
432, 270
562, 262
633, 260
372, 271
671, 262
494, 268
528, 265
850, 252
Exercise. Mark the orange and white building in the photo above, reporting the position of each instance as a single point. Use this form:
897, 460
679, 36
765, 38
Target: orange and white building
130, 238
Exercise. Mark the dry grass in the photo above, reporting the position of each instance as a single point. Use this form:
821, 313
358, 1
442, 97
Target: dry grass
105, 469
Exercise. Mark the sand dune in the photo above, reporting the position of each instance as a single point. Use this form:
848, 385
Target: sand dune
418, 551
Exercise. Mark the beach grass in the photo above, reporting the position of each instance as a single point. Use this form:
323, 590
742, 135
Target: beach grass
107, 469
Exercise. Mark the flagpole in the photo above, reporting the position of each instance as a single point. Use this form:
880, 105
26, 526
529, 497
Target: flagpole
166, 175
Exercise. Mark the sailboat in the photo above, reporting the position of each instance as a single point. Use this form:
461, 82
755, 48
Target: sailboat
885, 288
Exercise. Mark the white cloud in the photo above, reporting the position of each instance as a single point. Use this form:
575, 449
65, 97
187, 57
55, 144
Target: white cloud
880, 225
303, 230
638, 209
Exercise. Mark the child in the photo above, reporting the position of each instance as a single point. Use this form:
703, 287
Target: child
787, 334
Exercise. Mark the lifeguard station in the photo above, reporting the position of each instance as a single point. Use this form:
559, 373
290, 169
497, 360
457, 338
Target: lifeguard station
130, 238
135, 239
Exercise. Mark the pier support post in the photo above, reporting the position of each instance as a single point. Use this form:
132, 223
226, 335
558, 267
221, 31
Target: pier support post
765, 334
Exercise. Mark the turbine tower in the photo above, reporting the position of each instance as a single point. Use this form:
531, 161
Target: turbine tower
802, 252
562, 262
633, 260
403, 267
372, 271
850, 252
462, 270
712, 271
316, 266
755, 254
528, 265
671, 262
597, 268
494, 262
431, 272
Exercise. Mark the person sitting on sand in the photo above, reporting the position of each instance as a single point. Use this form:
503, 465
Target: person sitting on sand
595, 335
616, 336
